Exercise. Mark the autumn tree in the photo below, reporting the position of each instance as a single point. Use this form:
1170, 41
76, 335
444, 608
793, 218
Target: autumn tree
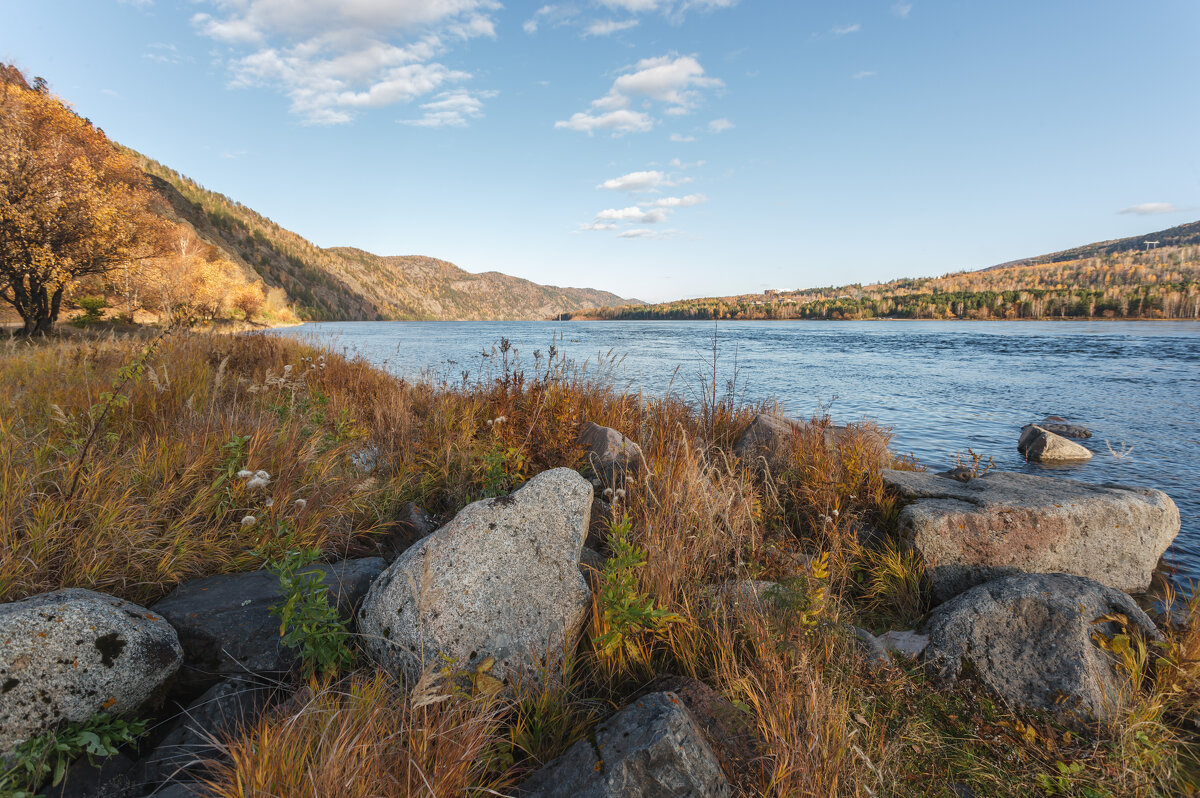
71, 204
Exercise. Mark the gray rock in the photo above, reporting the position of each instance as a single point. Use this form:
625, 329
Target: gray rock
908, 644
226, 626
221, 710
1038, 443
651, 749
1004, 523
1060, 426
771, 440
501, 579
1029, 637
609, 453
90, 777
66, 655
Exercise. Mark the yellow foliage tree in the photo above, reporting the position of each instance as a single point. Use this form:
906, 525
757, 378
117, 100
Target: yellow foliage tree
71, 205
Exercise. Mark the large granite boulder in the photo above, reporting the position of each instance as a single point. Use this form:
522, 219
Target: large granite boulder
66, 655
226, 626
500, 580
609, 453
771, 440
651, 749
1030, 639
1004, 523
1038, 443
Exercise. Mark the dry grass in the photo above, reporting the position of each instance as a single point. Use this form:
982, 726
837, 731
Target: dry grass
152, 510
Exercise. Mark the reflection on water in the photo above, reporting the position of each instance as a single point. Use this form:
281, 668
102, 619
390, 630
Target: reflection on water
941, 386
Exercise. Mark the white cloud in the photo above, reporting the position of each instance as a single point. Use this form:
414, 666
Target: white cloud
679, 138
607, 27
633, 214
676, 81
901, 9
680, 202
451, 109
646, 233
842, 30
866, 73
636, 181
621, 121
1150, 208
598, 226
333, 58
719, 125
162, 53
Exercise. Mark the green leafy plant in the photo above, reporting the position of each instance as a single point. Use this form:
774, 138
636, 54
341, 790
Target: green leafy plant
307, 621
51, 754
626, 615
93, 310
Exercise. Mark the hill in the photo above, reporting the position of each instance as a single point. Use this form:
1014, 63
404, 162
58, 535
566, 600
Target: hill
1119, 279
343, 283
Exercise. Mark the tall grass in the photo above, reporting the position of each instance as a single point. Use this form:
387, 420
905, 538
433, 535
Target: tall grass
160, 500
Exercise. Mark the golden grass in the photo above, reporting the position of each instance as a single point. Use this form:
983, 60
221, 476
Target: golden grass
156, 505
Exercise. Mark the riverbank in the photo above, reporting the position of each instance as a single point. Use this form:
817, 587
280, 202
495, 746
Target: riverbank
133, 473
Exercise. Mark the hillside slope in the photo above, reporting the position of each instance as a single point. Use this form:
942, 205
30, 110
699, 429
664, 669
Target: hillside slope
1120, 279
343, 283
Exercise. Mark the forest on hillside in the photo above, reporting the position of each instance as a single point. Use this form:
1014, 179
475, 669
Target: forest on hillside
1159, 283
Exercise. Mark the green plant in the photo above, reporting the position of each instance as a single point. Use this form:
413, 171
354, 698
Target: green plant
626, 615
50, 754
93, 309
307, 621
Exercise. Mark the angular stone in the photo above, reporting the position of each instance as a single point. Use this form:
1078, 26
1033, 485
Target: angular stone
1060, 426
1030, 639
501, 580
1040, 444
226, 626
651, 749
907, 644
66, 655
1004, 523
609, 453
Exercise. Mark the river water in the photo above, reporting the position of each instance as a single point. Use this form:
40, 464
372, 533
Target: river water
941, 386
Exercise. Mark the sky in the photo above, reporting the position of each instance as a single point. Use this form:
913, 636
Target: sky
659, 149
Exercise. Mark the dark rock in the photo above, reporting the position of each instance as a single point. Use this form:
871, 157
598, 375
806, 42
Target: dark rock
1030, 639
66, 655
959, 473
221, 710
225, 623
1060, 426
95, 778
411, 525
1004, 522
651, 749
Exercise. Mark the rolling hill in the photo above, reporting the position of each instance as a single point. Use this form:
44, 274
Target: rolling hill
342, 283
1119, 279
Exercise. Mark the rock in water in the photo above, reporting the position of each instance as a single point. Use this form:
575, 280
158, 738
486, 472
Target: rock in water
1060, 426
610, 454
651, 749
1038, 443
66, 655
501, 580
1029, 637
226, 626
1004, 523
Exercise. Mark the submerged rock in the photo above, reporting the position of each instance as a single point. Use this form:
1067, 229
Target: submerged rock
1038, 443
651, 749
226, 626
66, 655
1004, 523
1030, 639
501, 580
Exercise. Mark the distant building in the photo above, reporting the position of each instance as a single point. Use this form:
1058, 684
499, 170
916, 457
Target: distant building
771, 292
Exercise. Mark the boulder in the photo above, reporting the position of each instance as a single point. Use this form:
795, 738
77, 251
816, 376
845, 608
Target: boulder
66, 655
1038, 443
1029, 637
220, 711
653, 748
1060, 426
771, 440
1004, 523
501, 580
609, 453
95, 777
226, 626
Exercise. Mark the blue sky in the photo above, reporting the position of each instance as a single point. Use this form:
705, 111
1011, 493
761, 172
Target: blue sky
655, 148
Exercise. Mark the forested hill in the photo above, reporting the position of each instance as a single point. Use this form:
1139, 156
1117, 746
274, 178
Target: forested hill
1124, 279
349, 284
